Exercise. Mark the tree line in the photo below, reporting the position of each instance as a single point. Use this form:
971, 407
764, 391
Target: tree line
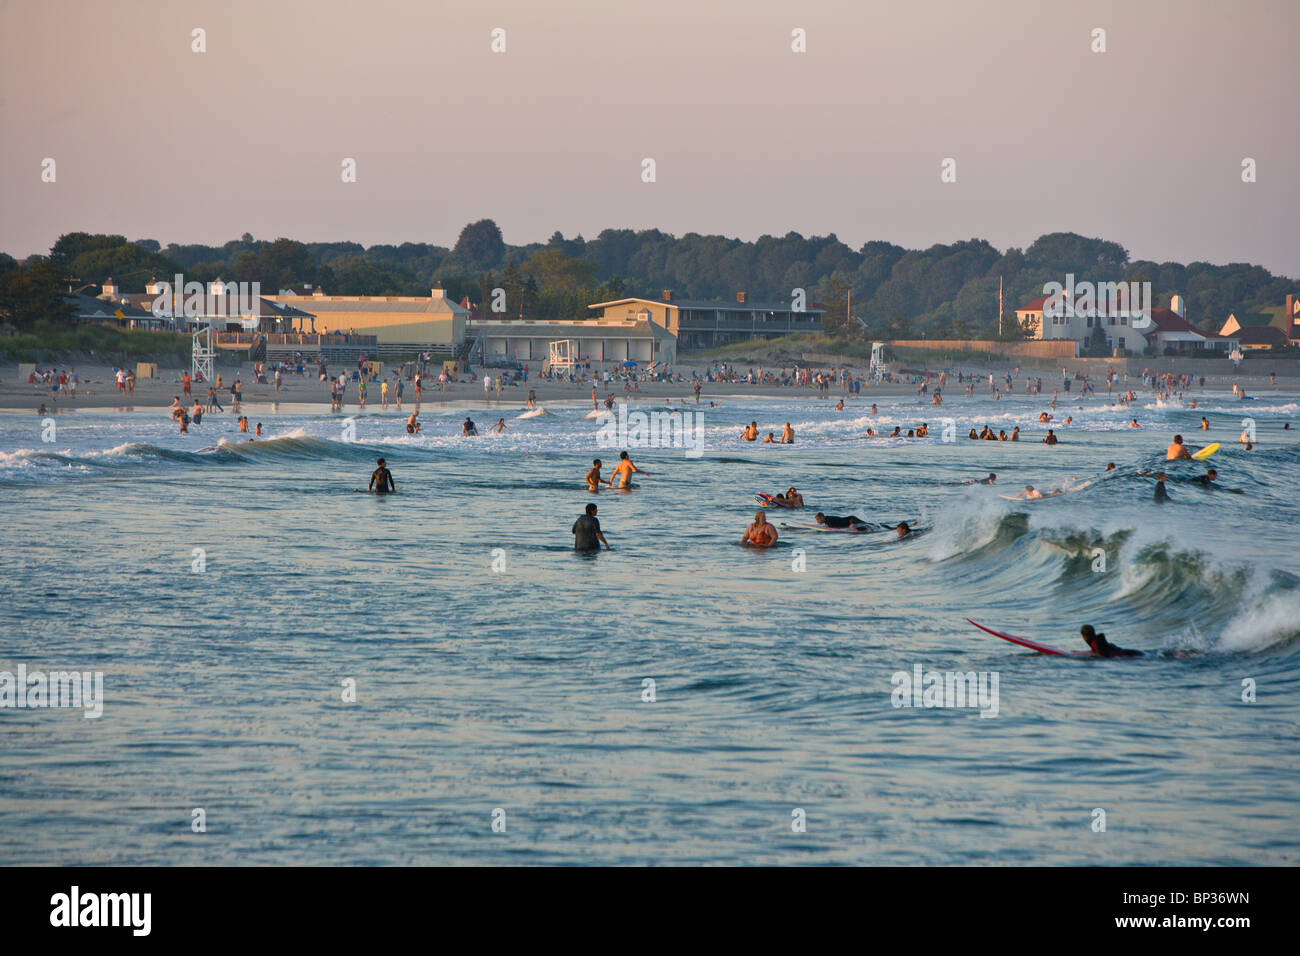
879, 290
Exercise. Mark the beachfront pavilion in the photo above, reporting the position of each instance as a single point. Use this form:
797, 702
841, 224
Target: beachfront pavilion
430, 323
702, 323
600, 342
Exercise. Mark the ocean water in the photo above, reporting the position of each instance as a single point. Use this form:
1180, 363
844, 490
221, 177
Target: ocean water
495, 670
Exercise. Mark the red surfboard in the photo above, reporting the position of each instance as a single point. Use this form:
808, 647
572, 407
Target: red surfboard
1032, 645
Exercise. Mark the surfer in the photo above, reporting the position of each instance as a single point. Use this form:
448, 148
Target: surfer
1206, 480
991, 479
467, 427
384, 478
593, 477
840, 521
1177, 450
1160, 494
532, 399
1031, 492
1098, 644
586, 532
903, 529
622, 476
760, 534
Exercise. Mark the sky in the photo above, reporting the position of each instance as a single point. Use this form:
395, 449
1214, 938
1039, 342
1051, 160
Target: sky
1142, 144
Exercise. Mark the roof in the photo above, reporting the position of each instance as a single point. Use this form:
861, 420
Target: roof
266, 308
707, 305
1251, 318
1035, 306
90, 307
327, 304
1269, 335
1168, 321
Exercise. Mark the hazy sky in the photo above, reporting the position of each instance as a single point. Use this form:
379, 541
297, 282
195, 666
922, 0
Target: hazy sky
1142, 144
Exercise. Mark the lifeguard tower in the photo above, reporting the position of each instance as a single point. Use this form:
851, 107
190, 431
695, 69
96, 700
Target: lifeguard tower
563, 355
879, 361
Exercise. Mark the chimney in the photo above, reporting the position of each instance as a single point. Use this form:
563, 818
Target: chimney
740, 297
668, 295
1176, 305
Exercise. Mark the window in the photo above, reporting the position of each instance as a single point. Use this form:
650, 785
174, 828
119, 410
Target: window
1123, 320
1089, 321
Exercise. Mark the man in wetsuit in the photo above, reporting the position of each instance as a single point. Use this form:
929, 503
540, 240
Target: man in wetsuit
840, 521
587, 536
987, 481
384, 477
1206, 480
1160, 494
1098, 644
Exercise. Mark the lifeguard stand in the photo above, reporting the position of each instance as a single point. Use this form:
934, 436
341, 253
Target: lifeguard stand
564, 354
204, 353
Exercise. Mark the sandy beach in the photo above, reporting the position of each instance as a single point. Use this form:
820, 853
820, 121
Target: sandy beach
97, 389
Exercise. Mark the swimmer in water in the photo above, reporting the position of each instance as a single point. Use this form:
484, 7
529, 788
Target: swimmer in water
1205, 423
791, 499
623, 471
1160, 494
903, 529
500, 426
1177, 450
593, 477
760, 534
468, 428
991, 479
258, 433
840, 407
412, 426
750, 433
1206, 480
1051, 438
1098, 644
383, 478
1110, 466
787, 435
770, 439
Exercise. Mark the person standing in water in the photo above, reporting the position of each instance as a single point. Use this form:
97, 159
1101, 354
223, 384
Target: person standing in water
587, 536
383, 478
623, 471
594, 480
760, 534
499, 427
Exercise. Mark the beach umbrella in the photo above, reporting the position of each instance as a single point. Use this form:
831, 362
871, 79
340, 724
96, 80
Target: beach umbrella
628, 365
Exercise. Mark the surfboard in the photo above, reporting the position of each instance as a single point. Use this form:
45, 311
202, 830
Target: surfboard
1206, 452
1032, 645
769, 501
802, 526
533, 413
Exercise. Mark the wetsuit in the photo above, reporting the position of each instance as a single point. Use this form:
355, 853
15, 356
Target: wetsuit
1160, 494
585, 530
837, 521
385, 479
1104, 648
